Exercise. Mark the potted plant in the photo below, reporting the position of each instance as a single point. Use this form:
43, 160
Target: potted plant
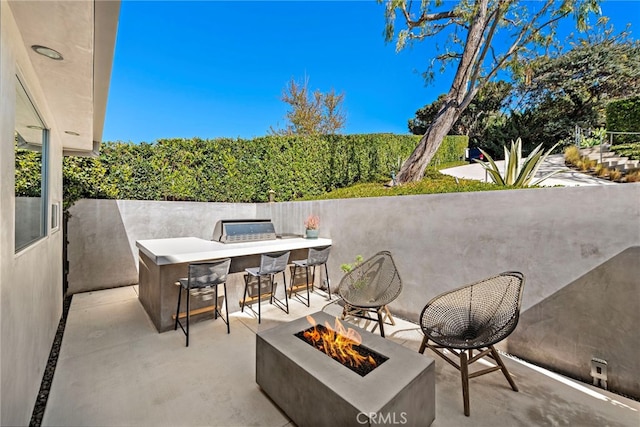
311, 225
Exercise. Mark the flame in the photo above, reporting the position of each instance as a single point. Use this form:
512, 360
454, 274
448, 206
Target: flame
338, 342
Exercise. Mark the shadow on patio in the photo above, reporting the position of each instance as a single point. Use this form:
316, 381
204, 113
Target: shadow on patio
114, 369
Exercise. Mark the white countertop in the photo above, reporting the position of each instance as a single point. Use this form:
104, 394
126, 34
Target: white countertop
192, 249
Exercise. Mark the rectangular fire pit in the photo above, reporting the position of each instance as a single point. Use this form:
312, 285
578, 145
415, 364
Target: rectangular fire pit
315, 390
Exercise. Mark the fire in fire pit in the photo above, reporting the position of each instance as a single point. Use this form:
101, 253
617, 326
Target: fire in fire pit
342, 345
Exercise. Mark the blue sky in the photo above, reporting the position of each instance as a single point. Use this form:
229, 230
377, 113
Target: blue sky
217, 68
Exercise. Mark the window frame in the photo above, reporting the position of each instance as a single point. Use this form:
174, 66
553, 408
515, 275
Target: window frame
44, 174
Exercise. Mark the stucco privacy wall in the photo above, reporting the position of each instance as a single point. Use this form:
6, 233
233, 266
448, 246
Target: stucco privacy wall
31, 280
439, 242
559, 331
102, 235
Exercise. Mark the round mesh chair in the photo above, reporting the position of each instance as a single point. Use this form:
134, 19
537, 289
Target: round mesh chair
369, 287
471, 319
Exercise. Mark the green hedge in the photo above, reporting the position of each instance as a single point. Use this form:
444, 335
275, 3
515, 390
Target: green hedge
242, 170
624, 116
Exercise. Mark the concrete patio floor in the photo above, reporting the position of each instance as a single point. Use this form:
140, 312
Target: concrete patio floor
114, 369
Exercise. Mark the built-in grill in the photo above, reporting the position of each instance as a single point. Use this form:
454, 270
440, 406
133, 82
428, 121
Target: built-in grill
243, 230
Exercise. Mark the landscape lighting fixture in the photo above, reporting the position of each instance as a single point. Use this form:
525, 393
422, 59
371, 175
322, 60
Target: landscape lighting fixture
35, 127
70, 132
47, 51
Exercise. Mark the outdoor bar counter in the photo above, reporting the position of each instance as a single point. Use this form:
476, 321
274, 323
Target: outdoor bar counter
163, 261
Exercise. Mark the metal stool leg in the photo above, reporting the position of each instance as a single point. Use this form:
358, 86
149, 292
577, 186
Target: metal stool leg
188, 309
284, 281
293, 276
226, 306
244, 297
326, 275
259, 298
175, 326
312, 282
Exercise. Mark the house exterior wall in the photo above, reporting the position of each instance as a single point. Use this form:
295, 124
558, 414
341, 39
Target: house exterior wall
439, 242
31, 280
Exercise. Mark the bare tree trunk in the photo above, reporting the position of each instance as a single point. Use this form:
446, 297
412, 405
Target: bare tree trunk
413, 169
463, 89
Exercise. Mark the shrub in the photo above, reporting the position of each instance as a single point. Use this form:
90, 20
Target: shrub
572, 154
633, 176
240, 170
624, 116
615, 174
630, 150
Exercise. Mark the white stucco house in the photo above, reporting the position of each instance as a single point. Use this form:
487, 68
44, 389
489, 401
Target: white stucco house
55, 68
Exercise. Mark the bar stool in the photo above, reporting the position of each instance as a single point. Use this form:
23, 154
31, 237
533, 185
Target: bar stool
315, 257
270, 265
204, 278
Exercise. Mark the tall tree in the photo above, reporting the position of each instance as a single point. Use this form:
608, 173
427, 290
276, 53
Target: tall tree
597, 69
483, 38
311, 112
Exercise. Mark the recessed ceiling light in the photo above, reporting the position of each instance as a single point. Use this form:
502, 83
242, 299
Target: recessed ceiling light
34, 127
47, 51
70, 132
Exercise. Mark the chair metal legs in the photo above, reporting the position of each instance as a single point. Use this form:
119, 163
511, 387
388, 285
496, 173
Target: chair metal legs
326, 274
175, 326
313, 281
216, 310
467, 358
272, 298
307, 301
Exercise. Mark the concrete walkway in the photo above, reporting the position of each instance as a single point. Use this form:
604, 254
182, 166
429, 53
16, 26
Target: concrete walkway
566, 177
114, 369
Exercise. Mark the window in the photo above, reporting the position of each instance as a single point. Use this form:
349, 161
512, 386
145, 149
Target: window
30, 144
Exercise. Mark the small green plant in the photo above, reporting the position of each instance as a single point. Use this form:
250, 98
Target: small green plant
359, 282
603, 171
596, 138
517, 172
630, 150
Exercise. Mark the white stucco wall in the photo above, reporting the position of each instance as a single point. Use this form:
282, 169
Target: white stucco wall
31, 280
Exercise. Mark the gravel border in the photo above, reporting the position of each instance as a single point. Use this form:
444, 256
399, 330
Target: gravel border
47, 377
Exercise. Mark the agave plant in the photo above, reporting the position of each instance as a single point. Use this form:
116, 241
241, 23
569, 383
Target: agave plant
517, 172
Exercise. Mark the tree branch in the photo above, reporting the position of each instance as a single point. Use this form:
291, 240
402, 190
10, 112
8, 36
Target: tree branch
425, 17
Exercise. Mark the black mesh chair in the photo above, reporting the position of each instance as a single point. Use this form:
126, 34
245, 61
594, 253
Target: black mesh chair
471, 320
369, 287
315, 257
270, 265
203, 280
